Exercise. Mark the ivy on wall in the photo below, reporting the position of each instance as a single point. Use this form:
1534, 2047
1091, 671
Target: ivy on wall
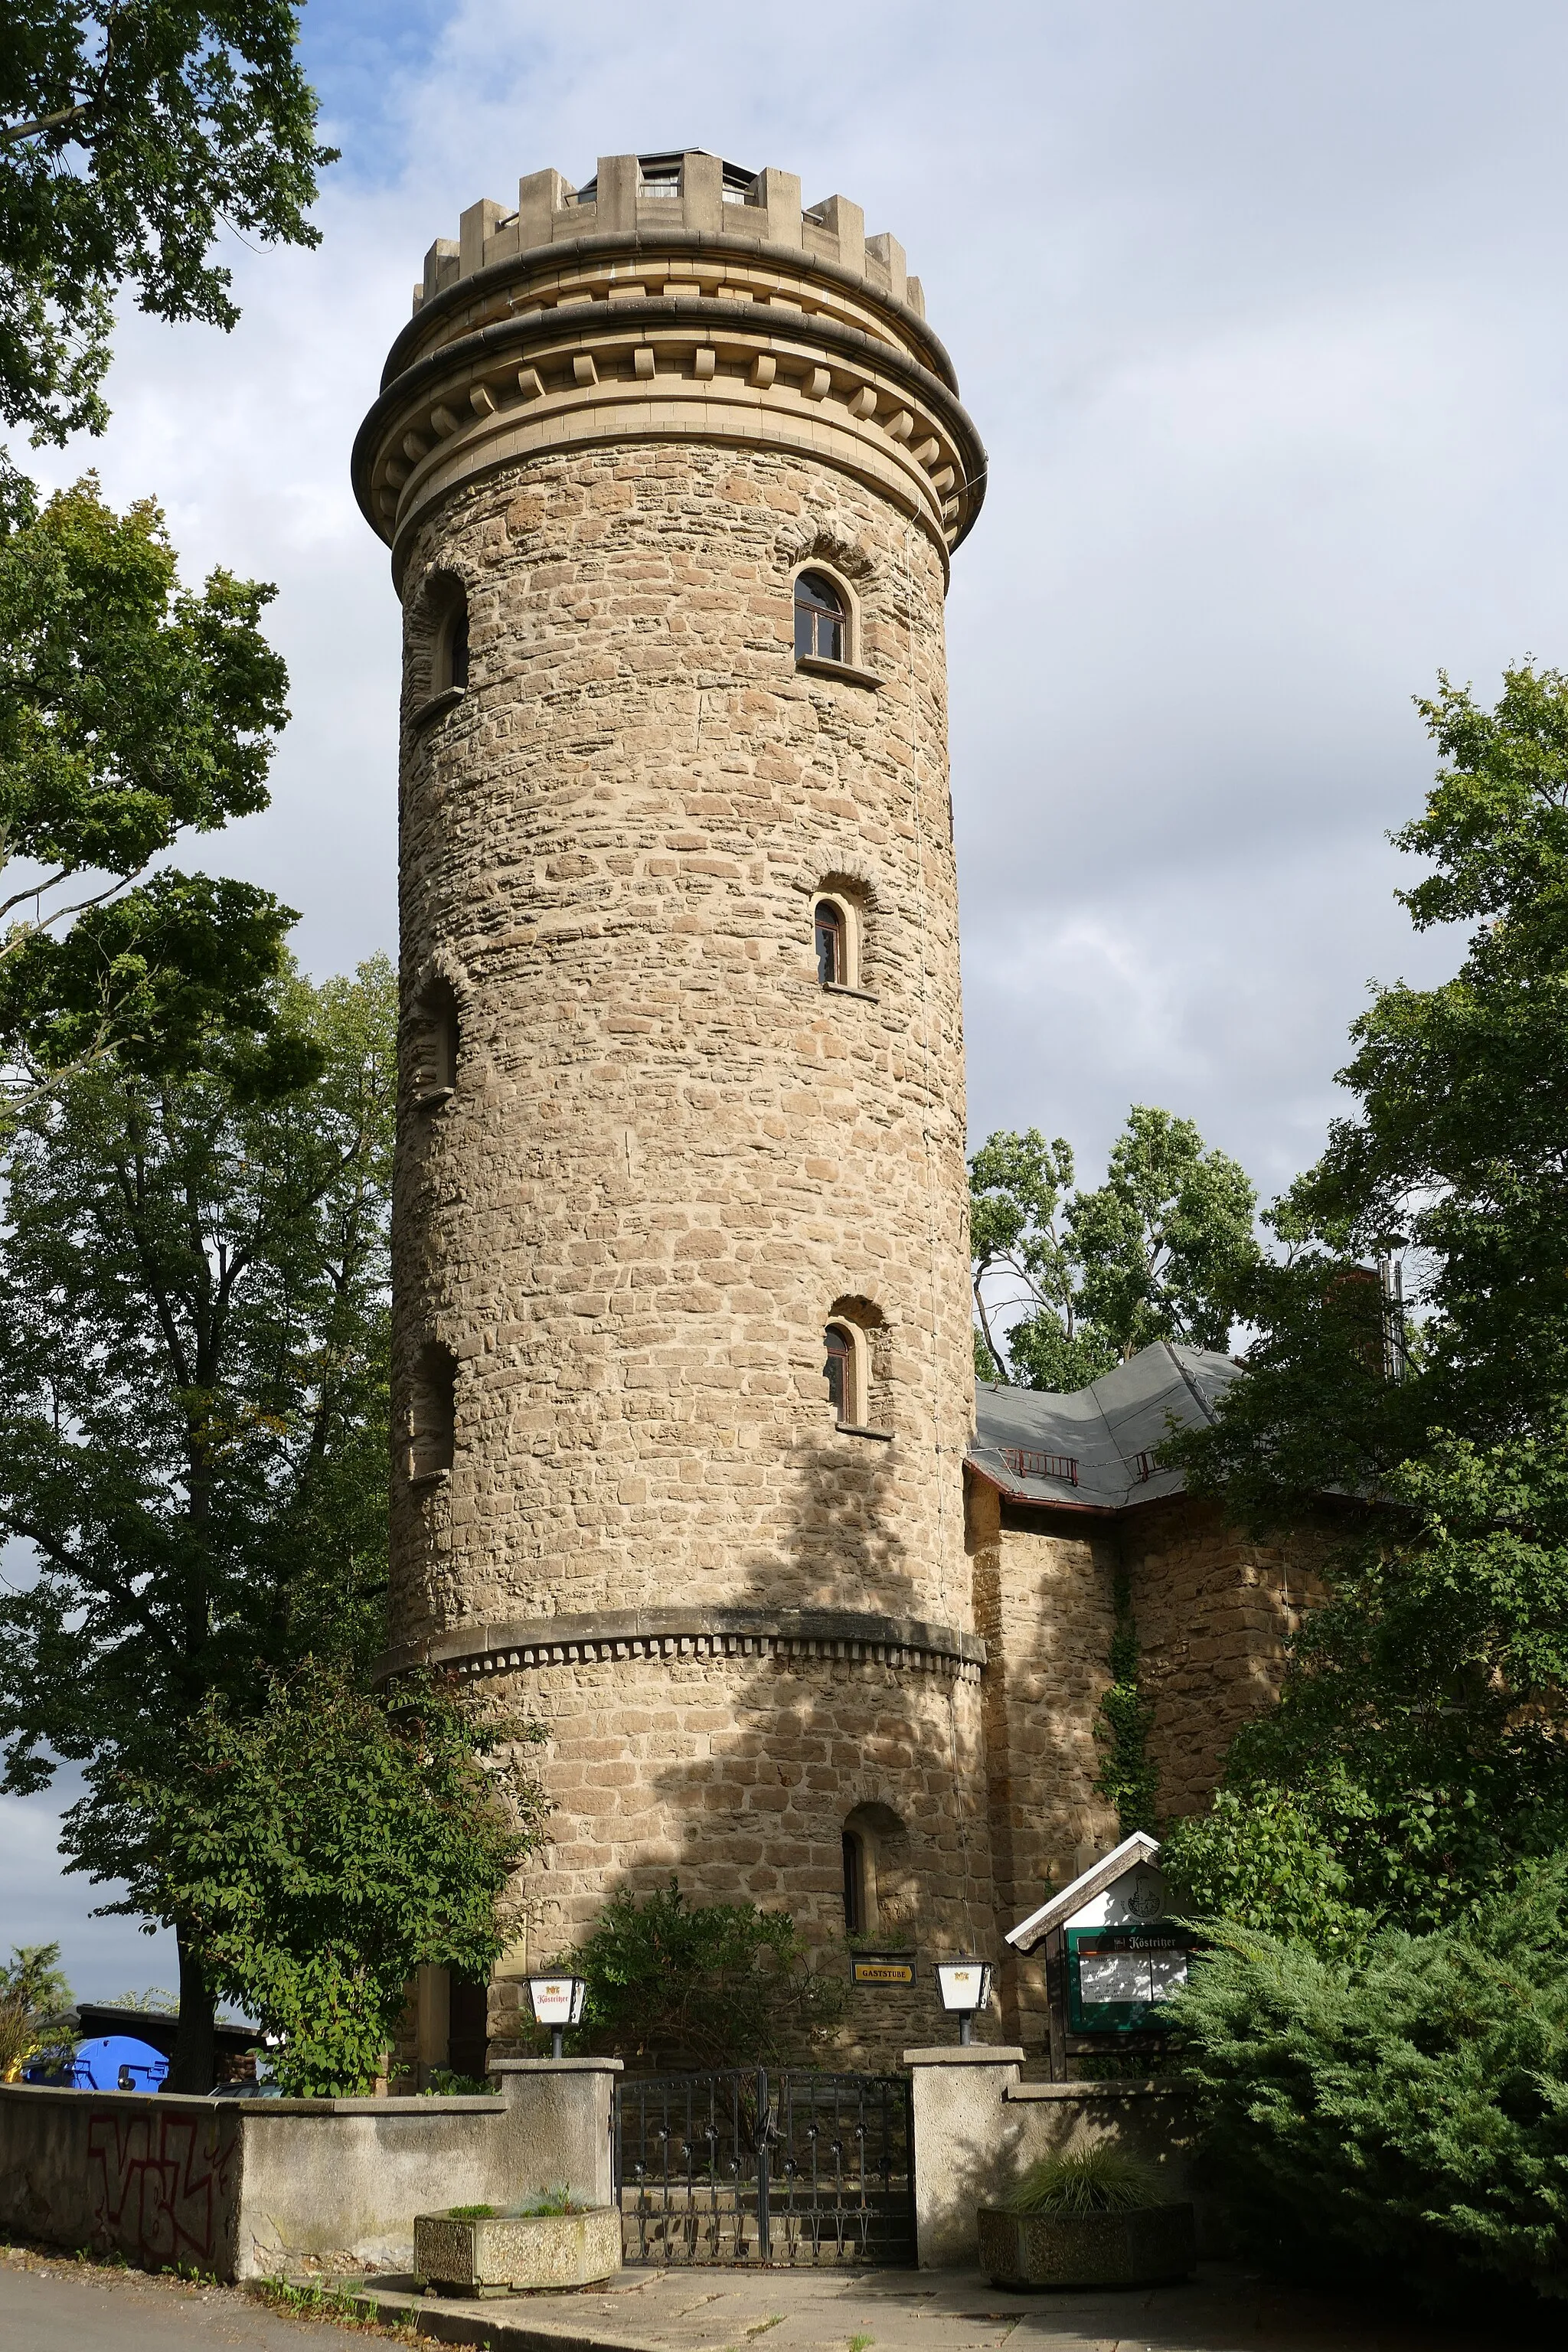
1127, 1778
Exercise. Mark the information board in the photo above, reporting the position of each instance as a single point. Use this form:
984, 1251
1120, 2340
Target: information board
1117, 1977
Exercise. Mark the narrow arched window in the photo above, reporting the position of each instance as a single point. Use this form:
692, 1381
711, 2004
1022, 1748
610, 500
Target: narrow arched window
839, 1371
854, 1884
457, 646
435, 1040
832, 962
432, 1412
820, 620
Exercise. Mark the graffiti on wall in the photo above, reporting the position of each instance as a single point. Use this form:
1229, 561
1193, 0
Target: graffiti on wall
161, 2185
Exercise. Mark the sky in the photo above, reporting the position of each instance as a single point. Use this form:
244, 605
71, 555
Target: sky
1258, 308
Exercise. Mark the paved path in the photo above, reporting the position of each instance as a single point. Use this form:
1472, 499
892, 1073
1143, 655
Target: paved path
1224, 2309
58, 2305
65, 2306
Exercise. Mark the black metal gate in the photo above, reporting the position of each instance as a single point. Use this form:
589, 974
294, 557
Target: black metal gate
745, 2166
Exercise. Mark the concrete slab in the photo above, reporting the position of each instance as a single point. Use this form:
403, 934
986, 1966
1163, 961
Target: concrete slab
1224, 2309
49, 2303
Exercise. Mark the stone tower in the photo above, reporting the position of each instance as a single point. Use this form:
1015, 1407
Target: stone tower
671, 471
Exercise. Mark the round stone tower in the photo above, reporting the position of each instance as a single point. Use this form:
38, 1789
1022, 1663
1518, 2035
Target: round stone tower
671, 471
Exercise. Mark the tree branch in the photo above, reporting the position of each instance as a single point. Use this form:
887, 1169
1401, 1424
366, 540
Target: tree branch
47, 121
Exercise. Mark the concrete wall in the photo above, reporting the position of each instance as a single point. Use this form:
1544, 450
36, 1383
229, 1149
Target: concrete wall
978, 2125
242, 2189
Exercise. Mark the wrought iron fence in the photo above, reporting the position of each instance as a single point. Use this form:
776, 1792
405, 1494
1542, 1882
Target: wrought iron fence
745, 2166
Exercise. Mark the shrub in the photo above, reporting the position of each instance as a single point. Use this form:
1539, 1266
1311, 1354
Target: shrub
1404, 2101
1260, 1858
707, 1984
1102, 2180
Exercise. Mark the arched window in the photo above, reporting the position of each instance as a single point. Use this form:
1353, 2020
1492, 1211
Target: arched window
831, 945
435, 1045
454, 664
432, 1412
839, 1371
821, 623
855, 1909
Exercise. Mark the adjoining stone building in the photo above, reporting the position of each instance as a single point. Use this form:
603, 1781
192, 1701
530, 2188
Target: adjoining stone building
671, 468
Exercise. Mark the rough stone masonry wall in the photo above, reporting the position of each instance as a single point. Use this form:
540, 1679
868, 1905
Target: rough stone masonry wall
670, 1154
736, 1778
1213, 1609
1043, 1601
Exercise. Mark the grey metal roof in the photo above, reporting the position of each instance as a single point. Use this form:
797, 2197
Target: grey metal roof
1102, 1429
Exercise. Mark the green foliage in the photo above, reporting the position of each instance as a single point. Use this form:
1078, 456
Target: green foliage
1127, 1778
1405, 2102
1166, 1242
1162, 1250
360, 2314
445, 2083
1019, 1191
1261, 1861
34, 2001
1424, 1729
128, 134
706, 1984
319, 1850
132, 712
193, 1415
1098, 2179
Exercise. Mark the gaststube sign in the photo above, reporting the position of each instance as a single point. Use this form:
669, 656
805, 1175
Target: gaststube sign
881, 1969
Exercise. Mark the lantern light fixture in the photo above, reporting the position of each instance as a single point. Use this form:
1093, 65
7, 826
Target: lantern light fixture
965, 1986
558, 2001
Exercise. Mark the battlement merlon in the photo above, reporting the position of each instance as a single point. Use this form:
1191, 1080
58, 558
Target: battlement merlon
694, 192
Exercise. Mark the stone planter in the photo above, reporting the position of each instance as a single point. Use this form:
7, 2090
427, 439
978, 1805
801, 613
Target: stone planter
1149, 2246
502, 2254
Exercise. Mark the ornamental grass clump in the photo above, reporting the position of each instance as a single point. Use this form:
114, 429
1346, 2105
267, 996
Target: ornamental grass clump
1100, 2179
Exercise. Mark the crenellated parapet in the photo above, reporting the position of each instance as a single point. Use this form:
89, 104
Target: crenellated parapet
672, 296
650, 196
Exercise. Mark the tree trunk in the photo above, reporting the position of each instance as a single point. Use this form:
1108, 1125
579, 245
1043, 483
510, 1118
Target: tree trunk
192, 2065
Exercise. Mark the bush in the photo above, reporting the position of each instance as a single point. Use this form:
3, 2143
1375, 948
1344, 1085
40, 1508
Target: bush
1404, 2102
1259, 1859
672, 1983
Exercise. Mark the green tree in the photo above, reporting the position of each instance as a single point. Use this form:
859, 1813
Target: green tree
1020, 1190
700, 1984
317, 1851
132, 712
130, 132
1162, 1250
35, 2001
1424, 1726
194, 1418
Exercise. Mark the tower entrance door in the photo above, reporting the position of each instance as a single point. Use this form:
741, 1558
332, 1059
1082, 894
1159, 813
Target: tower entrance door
751, 2164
